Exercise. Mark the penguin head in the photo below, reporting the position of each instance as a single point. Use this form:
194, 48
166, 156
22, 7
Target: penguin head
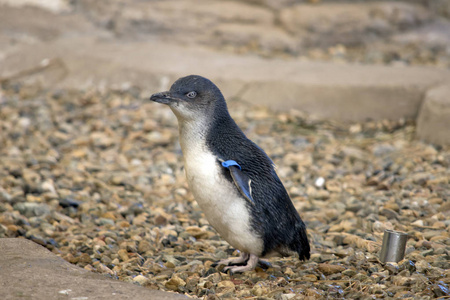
191, 97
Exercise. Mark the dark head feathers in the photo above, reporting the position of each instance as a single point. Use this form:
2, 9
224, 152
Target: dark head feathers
192, 97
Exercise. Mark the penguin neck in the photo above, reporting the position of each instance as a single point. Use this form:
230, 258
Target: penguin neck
196, 130
192, 131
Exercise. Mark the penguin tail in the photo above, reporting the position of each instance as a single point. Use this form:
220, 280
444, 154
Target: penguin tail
301, 243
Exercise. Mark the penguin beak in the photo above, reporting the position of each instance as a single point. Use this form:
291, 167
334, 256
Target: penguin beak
163, 97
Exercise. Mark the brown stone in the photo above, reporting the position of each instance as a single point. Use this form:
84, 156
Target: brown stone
328, 269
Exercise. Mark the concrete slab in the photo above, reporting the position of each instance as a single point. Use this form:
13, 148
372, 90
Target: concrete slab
29, 271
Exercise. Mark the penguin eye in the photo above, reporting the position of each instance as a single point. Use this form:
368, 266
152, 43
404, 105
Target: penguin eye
191, 94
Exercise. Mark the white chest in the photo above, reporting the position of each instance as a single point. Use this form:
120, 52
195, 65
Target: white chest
221, 203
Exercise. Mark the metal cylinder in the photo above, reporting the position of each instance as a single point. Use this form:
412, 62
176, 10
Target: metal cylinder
394, 245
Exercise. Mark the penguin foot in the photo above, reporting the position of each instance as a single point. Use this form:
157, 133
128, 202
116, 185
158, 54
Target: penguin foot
232, 261
251, 264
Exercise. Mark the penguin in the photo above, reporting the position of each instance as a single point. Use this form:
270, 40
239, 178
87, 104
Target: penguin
232, 179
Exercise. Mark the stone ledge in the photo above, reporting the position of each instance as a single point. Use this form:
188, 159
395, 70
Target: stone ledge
29, 271
344, 92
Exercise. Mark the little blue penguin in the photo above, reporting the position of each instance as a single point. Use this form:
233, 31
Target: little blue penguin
232, 179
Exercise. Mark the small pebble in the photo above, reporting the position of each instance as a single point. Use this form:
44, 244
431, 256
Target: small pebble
104, 186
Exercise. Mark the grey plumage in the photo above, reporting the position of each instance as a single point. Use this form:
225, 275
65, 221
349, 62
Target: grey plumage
209, 136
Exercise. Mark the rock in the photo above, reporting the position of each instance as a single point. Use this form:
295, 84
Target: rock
142, 280
259, 289
392, 267
171, 261
361, 277
310, 277
191, 282
441, 290
144, 246
313, 293
383, 149
100, 139
105, 221
288, 296
160, 220
101, 268
5, 196
403, 281
140, 219
389, 213
197, 232
31, 209
224, 288
434, 116
329, 269
123, 254
422, 266
226, 284
69, 202
175, 283
349, 272
333, 186
319, 182
445, 207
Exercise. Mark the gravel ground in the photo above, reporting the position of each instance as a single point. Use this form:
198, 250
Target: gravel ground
97, 178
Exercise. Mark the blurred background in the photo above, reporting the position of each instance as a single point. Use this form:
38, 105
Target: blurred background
340, 94
413, 32
341, 60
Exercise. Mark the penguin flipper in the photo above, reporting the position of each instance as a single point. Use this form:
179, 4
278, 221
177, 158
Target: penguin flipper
242, 182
